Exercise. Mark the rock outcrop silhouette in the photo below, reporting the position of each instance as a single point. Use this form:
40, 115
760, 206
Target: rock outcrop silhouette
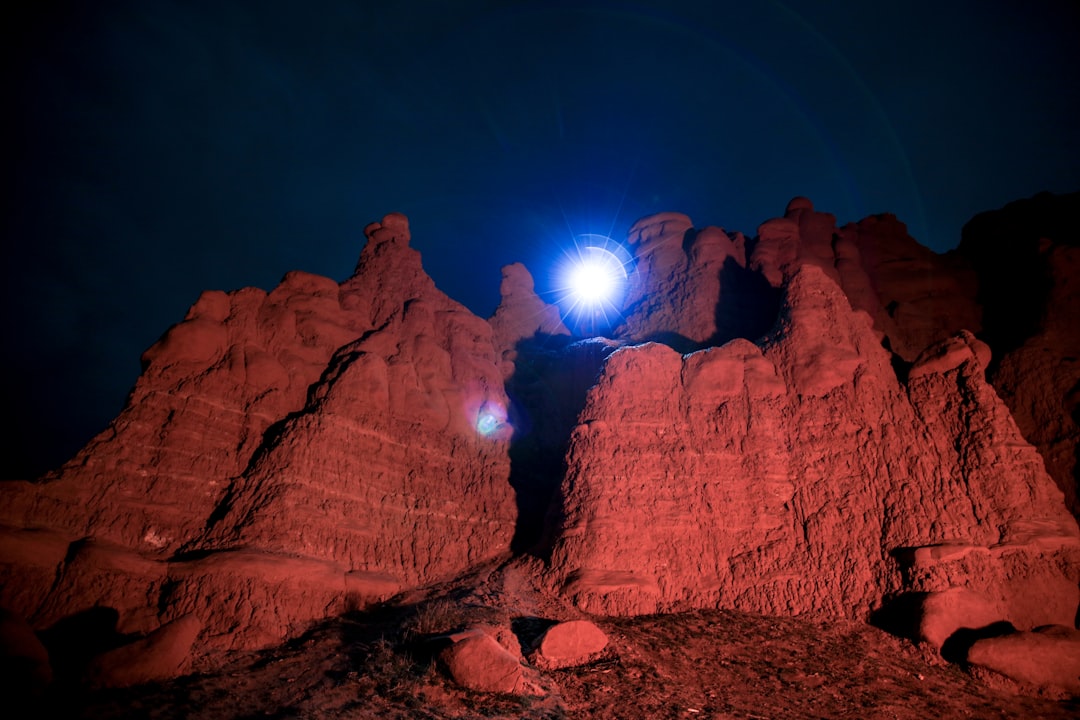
1027, 255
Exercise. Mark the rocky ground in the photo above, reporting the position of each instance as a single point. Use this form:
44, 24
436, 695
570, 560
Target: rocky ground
382, 663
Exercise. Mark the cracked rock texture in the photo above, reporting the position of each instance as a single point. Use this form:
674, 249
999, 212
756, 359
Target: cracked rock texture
283, 455
795, 422
806, 470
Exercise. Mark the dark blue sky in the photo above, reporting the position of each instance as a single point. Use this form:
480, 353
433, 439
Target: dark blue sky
156, 149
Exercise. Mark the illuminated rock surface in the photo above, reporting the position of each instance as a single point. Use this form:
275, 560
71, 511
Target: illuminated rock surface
800, 475
521, 314
567, 644
1048, 657
476, 660
282, 455
797, 422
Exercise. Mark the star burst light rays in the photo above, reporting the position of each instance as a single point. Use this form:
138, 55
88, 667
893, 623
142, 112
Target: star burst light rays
592, 281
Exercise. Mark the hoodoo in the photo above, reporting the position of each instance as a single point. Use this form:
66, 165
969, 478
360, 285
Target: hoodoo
816, 419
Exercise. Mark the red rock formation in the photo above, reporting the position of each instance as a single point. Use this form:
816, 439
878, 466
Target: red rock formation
303, 448
209, 390
801, 475
288, 454
914, 296
1048, 658
1028, 258
387, 460
521, 315
690, 287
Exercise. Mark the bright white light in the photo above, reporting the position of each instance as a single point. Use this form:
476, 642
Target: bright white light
591, 283
595, 278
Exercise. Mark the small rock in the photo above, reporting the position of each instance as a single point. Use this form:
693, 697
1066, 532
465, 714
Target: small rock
1047, 657
161, 655
477, 661
25, 671
568, 644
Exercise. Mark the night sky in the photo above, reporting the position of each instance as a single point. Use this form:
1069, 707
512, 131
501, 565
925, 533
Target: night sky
157, 149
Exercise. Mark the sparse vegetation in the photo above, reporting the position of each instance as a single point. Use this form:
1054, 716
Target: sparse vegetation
387, 670
446, 615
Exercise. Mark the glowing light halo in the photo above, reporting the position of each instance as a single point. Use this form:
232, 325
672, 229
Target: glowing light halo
592, 281
491, 419
596, 276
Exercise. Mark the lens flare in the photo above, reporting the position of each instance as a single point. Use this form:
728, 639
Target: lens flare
491, 419
487, 423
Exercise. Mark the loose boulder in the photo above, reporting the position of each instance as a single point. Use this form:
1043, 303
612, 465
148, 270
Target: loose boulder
161, 655
944, 613
1047, 657
25, 671
569, 644
477, 661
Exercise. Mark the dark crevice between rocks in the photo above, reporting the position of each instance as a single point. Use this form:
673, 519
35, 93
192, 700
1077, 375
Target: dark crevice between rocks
677, 342
552, 375
748, 306
955, 648
74, 641
900, 366
529, 630
900, 615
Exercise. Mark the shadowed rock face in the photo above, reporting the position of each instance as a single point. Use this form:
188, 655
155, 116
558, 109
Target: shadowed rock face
914, 296
795, 422
1027, 255
691, 288
547, 375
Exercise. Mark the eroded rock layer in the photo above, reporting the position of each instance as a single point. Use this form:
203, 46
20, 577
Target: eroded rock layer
800, 474
282, 455
790, 423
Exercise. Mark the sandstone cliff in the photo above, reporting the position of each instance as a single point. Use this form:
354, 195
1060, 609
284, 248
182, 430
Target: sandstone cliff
807, 468
282, 454
794, 422
799, 474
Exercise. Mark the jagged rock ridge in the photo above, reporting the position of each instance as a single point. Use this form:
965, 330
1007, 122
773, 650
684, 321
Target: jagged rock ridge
800, 473
282, 455
828, 442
